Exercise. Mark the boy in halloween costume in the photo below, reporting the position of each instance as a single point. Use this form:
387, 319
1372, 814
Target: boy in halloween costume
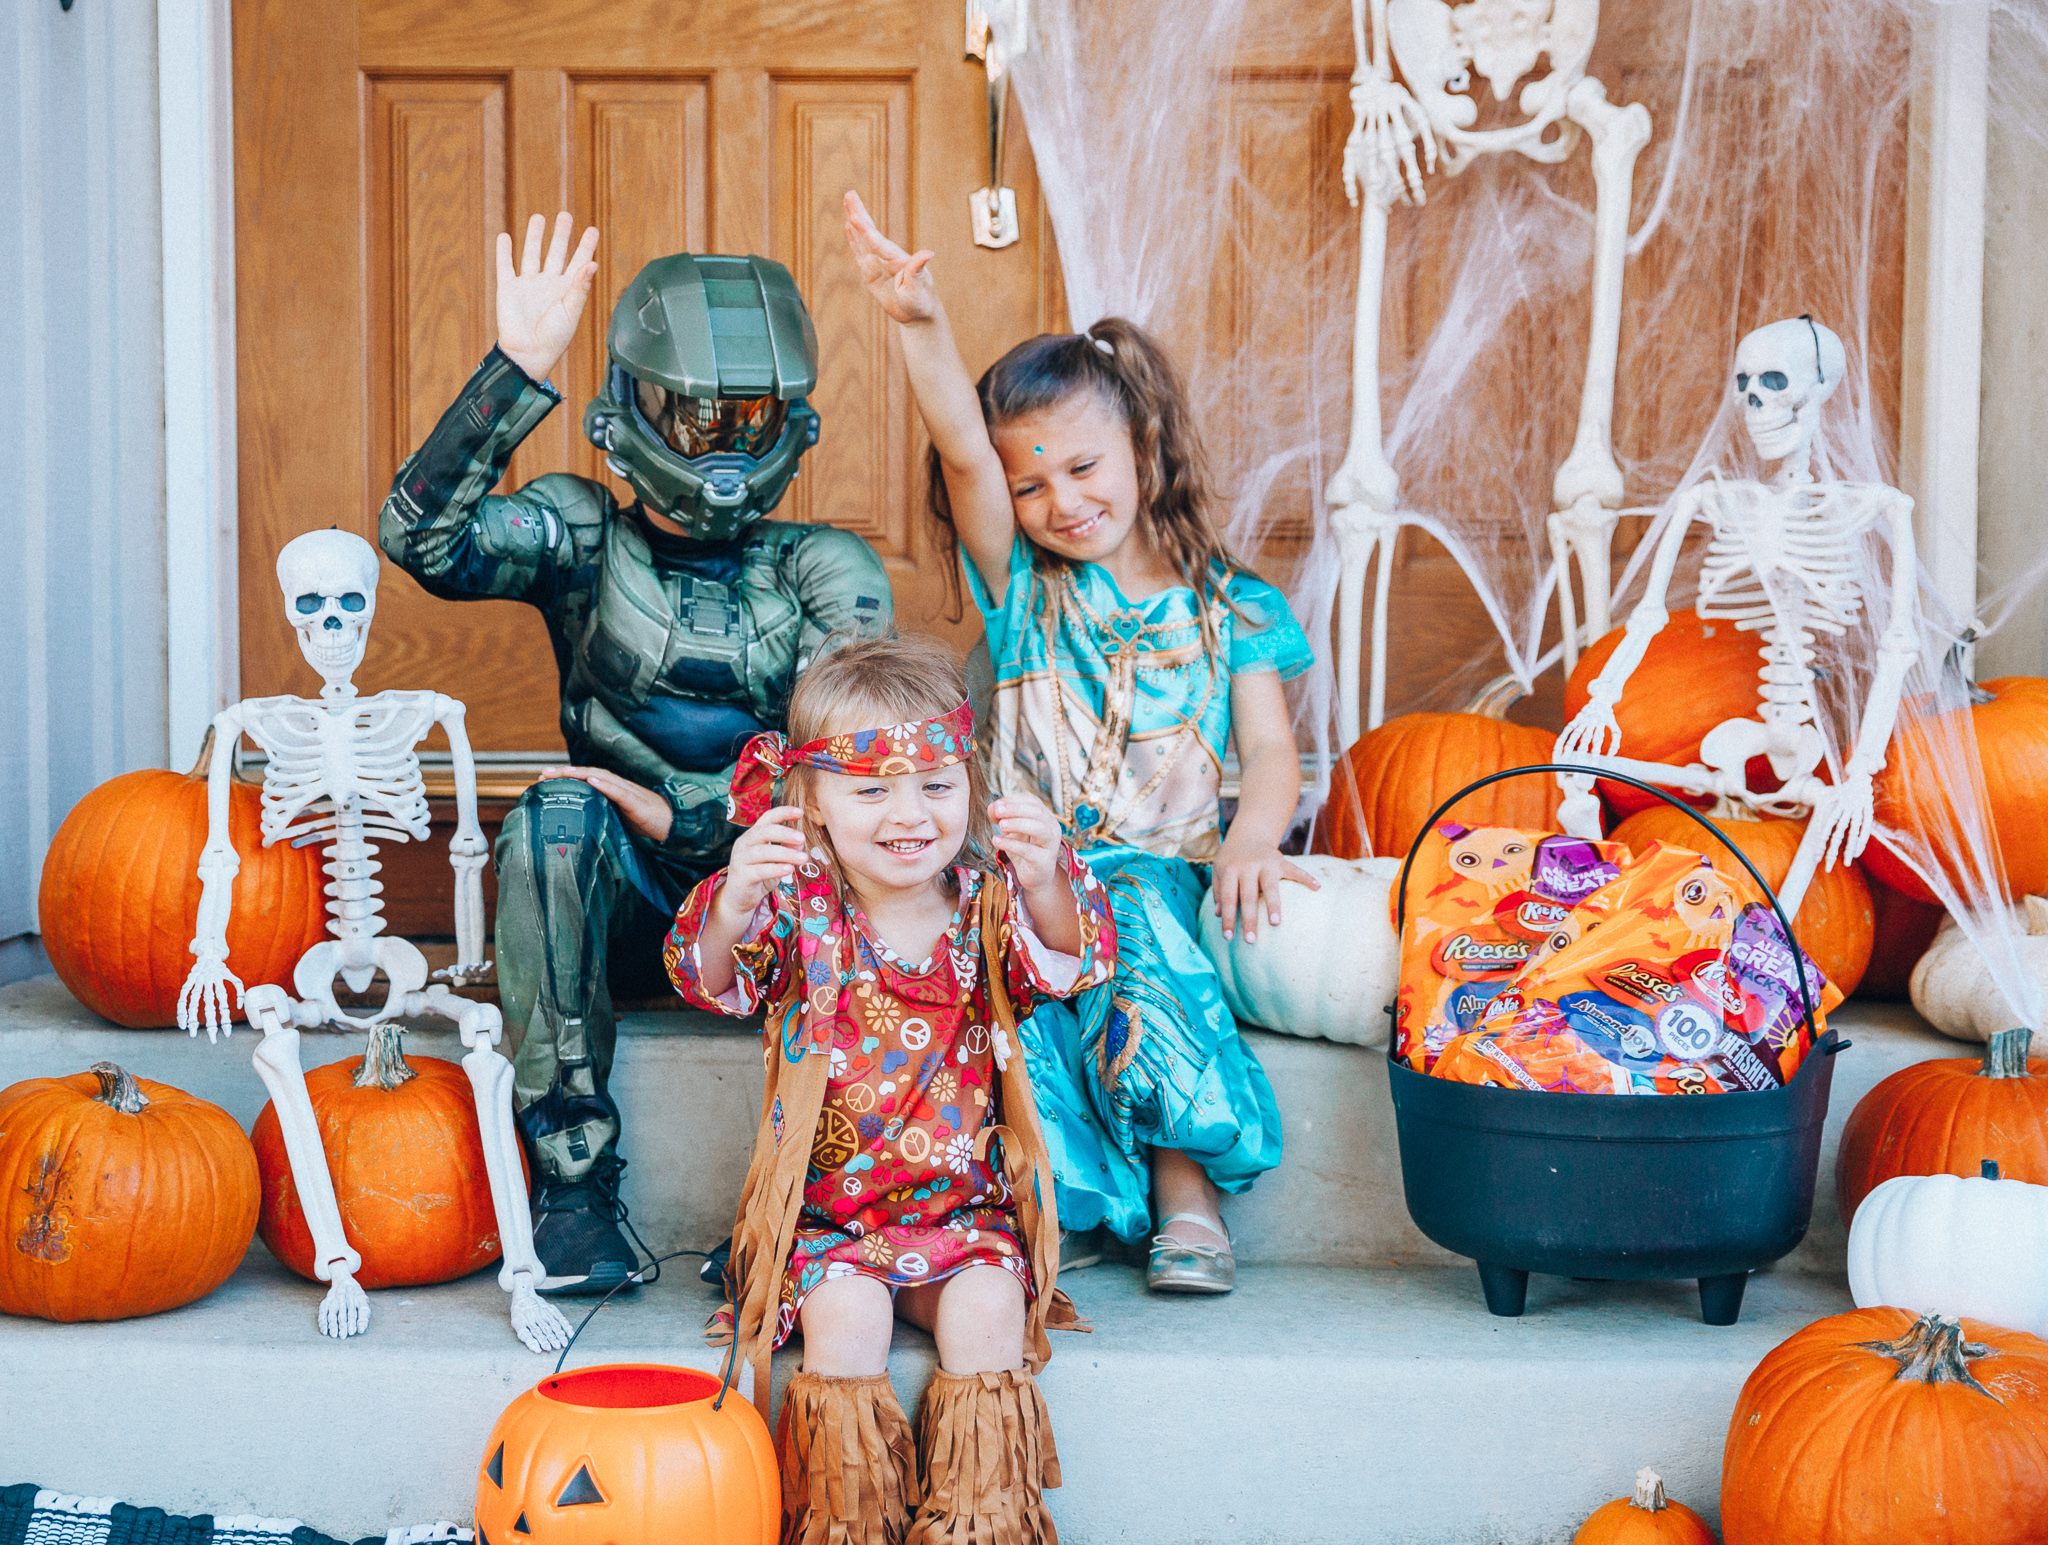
679, 624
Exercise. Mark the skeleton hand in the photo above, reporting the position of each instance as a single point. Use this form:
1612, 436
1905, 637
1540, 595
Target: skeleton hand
205, 997
1592, 733
535, 1321
1385, 124
1848, 810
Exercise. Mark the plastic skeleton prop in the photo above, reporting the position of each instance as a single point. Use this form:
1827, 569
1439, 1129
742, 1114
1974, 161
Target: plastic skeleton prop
1783, 562
345, 770
1437, 47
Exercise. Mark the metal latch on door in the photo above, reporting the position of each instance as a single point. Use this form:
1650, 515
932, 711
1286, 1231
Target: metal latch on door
997, 32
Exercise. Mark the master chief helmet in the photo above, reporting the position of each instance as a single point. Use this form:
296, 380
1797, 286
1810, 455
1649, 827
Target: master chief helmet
703, 410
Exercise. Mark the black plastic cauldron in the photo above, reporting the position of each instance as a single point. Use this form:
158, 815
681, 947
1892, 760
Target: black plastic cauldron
1631, 1189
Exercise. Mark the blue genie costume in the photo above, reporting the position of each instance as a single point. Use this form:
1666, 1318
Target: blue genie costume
1117, 714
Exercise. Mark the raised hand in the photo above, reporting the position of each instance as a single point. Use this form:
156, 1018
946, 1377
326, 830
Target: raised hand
900, 281
763, 856
1028, 835
540, 303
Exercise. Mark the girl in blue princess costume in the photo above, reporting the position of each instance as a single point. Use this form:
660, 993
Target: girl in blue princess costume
1130, 649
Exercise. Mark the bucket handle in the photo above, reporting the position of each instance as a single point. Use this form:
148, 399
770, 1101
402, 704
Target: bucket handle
1784, 922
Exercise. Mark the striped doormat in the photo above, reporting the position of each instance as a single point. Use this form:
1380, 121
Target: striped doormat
30, 1515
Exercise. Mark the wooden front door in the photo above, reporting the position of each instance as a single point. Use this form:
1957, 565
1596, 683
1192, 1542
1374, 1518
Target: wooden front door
381, 145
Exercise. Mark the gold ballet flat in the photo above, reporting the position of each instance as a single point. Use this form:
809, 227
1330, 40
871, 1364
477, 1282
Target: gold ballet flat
1179, 1267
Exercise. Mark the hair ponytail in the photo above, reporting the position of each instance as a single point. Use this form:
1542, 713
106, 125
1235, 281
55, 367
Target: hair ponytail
1119, 362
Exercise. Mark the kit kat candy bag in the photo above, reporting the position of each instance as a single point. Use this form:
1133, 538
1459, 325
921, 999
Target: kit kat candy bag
1686, 987
1481, 901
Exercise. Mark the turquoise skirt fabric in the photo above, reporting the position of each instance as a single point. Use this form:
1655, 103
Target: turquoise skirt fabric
1150, 1059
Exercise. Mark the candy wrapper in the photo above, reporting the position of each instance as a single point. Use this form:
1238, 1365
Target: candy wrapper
1482, 903
1686, 986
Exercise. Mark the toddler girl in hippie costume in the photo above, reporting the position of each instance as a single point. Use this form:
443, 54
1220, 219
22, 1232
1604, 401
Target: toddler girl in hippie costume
1130, 650
896, 924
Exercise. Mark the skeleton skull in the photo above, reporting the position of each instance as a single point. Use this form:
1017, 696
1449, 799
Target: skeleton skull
1783, 373
329, 580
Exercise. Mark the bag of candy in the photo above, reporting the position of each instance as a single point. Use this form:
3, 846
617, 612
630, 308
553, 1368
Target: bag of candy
1482, 903
1687, 986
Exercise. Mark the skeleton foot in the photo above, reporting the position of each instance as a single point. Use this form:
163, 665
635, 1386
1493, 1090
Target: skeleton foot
345, 1311
537, 1322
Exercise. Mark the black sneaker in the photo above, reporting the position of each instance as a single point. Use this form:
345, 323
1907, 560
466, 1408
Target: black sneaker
576, 1234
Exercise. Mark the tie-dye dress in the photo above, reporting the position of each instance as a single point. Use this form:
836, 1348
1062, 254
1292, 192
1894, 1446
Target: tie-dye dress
901, 1187
1115, 713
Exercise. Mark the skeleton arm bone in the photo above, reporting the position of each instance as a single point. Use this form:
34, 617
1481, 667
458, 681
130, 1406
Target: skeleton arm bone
467, 850
205, 997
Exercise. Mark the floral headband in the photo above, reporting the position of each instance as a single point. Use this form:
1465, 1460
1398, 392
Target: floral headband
896, 748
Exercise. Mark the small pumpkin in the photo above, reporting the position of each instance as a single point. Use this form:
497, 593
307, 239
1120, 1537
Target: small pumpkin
1954, 1245
2009, 718
1390, 780
1694, 676
627, 1452
1646, 1518
1835, 924
119, 900
1952, 987
407, 1160
1878, 1427
1330, 967
118, 1196
1903, 928
1947, 1116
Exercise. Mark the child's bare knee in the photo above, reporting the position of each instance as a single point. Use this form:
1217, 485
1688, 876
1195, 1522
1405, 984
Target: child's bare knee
847, 1323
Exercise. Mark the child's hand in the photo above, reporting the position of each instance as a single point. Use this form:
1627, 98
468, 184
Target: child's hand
645, 811
1028, 835
540, 304
1240, 879
765, 854
898, 280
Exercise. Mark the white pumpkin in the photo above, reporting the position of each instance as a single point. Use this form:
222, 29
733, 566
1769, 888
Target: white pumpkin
1329, 968
1952, 987
1954, 1245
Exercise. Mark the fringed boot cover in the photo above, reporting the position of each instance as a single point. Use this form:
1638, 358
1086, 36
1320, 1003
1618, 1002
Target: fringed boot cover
849, 1467
984, 1456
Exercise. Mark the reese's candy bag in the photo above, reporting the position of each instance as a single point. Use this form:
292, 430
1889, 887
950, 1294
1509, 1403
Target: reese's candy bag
1685, 987
1482, 901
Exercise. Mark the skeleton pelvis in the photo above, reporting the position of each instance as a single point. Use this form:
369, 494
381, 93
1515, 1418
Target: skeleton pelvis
404, 968
1792, 749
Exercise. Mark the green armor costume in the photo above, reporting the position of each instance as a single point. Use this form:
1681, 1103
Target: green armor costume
671, 650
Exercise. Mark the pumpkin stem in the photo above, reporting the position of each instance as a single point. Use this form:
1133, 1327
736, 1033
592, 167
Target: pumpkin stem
119, 1089
1987, 1169
1649, 1491
2005, 1054
1979, 697
1493, 700
384, 1059
205, 756
1933, 1352
2035, 910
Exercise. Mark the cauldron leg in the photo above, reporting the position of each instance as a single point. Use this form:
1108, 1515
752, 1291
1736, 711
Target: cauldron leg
1506, 1289
1721, 1298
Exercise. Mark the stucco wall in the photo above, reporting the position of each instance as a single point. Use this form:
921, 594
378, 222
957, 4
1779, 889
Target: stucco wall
82, 685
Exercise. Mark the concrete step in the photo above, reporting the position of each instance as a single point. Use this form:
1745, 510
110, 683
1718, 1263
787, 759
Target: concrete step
1314, 1404
689, 1088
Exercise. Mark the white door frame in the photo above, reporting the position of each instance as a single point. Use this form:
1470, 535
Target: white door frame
195, 114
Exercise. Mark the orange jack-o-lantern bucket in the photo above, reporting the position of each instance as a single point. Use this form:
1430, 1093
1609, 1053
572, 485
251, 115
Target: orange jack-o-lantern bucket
626, 1453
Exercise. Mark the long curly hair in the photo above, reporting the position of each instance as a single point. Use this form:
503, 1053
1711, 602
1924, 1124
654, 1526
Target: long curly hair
1119, 363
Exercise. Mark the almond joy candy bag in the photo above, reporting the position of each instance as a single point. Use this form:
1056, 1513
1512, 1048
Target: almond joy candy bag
1482, 902
1686, 988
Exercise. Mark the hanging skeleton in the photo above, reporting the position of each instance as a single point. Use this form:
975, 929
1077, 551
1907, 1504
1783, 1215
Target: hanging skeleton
345, 771
1784, 561
1402, 129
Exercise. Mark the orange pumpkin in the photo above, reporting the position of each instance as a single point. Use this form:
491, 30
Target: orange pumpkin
2009, 718
1647, 1518
1694, 676
1386, 785
1903, 928
120, 895
118, 1196
1947, 1116
628, 1452
1874, 1428
1835, 924
407, 1160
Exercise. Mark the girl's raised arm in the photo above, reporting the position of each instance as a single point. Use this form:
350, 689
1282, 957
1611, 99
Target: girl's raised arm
901, 284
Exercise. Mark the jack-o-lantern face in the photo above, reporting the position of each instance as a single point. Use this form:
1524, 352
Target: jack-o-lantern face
624, 1453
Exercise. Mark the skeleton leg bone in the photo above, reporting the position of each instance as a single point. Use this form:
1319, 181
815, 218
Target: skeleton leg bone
345, 1311
537, 1323
1361, 533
